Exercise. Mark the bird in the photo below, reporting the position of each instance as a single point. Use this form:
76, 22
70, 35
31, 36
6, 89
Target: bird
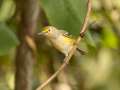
60, 39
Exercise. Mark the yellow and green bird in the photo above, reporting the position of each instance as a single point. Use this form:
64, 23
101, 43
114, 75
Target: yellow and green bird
59, 39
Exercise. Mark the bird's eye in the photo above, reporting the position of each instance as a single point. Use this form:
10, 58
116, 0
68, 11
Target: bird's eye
48, 30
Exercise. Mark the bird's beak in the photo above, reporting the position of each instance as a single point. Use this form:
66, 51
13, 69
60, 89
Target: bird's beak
41, 33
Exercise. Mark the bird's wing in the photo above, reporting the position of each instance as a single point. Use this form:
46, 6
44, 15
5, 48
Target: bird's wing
64, 32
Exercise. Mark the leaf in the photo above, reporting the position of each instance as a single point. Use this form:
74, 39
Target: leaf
7, 10
109, 38
8, 39
65, 14
89, 39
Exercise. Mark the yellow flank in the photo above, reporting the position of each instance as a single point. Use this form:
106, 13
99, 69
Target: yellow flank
68, 40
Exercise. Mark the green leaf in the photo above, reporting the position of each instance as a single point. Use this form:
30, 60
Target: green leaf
7, 10
109, 38
65, 14
89, 39
8, 39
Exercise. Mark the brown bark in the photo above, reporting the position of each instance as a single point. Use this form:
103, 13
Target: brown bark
25, 55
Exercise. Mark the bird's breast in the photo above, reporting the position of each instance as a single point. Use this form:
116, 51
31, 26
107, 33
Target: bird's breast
63, 44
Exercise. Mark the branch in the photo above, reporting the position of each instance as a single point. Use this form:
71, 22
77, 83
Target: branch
83, 30
67, 58
25, 54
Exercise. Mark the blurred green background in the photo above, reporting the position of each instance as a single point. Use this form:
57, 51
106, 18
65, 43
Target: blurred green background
97, 70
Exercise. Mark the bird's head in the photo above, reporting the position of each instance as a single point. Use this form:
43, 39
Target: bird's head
49, 31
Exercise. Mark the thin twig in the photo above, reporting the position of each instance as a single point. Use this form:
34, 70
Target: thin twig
83, 30
67, 58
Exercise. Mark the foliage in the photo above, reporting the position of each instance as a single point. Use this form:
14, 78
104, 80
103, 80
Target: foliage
100, 67
8, 39
65, 14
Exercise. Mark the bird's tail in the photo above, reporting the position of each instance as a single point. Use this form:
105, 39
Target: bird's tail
81, 51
